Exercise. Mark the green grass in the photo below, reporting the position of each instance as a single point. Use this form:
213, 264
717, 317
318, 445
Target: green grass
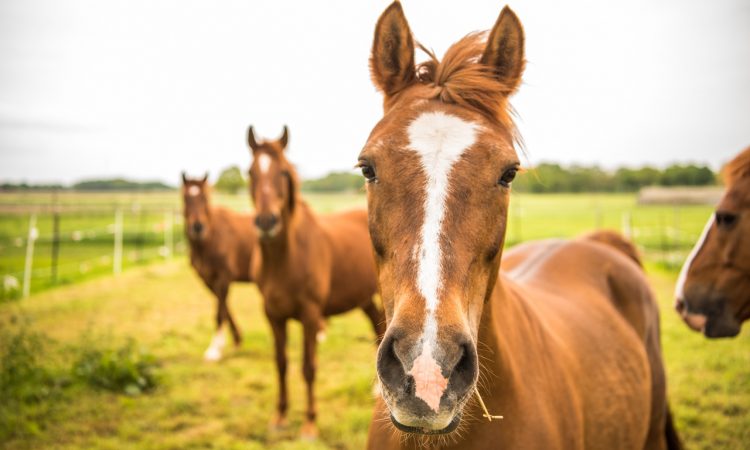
166, 312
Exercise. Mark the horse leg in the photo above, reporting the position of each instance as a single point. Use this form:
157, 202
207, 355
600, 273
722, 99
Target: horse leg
279, 339
236, 335
311, 327
213, 352
377, 319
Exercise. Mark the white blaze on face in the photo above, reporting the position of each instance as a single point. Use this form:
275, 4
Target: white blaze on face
194, 191
440, 140
679, 290
264, 162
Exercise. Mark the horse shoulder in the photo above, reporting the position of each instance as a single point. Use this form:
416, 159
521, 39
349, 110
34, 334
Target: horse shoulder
567, 288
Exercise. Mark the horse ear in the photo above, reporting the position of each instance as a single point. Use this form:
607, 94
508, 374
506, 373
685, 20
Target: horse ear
251, 138
284, 139
292, 184
184, 177
205, 178
392, 59
505, 49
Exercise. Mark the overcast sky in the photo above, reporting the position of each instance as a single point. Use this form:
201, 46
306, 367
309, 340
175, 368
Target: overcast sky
146, 89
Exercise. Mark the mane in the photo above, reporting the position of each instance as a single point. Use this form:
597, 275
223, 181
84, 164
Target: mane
737, 168
462, 80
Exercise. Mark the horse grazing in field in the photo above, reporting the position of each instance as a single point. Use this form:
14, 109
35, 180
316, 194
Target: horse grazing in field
222, 243
565, 340
713, 289
312, 266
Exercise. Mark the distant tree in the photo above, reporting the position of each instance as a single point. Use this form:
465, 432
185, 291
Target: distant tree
689, 175
231, 181
631, 180
335, 182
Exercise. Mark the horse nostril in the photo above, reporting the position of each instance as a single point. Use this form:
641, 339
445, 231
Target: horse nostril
197, 227
725, 219
465, 371
390, 368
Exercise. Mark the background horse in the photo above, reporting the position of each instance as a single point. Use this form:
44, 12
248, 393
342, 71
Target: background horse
713, 289
567, 339
312, 266
221, 247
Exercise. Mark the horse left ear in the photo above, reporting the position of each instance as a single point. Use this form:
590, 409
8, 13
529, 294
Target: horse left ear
204, 179
284, 139
505, 49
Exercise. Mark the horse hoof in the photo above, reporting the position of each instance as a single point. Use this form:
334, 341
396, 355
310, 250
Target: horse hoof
212, 355
309, 432
278, 423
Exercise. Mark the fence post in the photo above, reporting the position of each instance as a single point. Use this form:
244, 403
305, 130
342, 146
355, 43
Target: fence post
117, 258
517, 217
55, 244
169, 232
627, 225
33, 234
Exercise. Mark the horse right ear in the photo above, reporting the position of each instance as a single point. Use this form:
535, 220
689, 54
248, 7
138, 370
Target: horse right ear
251, 138
184, 177
284, 139
505, 50
392, 59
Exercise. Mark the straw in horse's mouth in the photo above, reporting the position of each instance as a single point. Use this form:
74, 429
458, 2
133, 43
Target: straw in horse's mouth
426, 431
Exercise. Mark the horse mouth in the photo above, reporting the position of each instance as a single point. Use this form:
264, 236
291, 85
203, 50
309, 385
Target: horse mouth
268, 234
427, 431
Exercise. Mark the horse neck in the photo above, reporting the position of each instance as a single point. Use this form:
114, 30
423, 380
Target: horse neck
509, 333
278, 250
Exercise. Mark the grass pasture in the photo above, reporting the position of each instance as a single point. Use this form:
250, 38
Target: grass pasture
165, 312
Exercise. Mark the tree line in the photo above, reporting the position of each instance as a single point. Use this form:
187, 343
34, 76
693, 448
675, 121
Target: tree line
552, 177
544, 178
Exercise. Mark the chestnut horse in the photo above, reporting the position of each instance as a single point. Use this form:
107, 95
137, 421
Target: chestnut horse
312, 266
566, 337
713, 289
221, 247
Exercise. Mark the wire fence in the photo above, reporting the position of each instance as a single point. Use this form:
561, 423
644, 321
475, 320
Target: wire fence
52, 246
46, 243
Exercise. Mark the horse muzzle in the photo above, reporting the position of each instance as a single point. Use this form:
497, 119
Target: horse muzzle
714, 321
425, 389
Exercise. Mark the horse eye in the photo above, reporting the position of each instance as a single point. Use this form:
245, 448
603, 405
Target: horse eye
368, 172
508, 177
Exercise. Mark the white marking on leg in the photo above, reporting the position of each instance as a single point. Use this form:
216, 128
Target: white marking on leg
679, 289
213, 352
194, 191
264, 162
